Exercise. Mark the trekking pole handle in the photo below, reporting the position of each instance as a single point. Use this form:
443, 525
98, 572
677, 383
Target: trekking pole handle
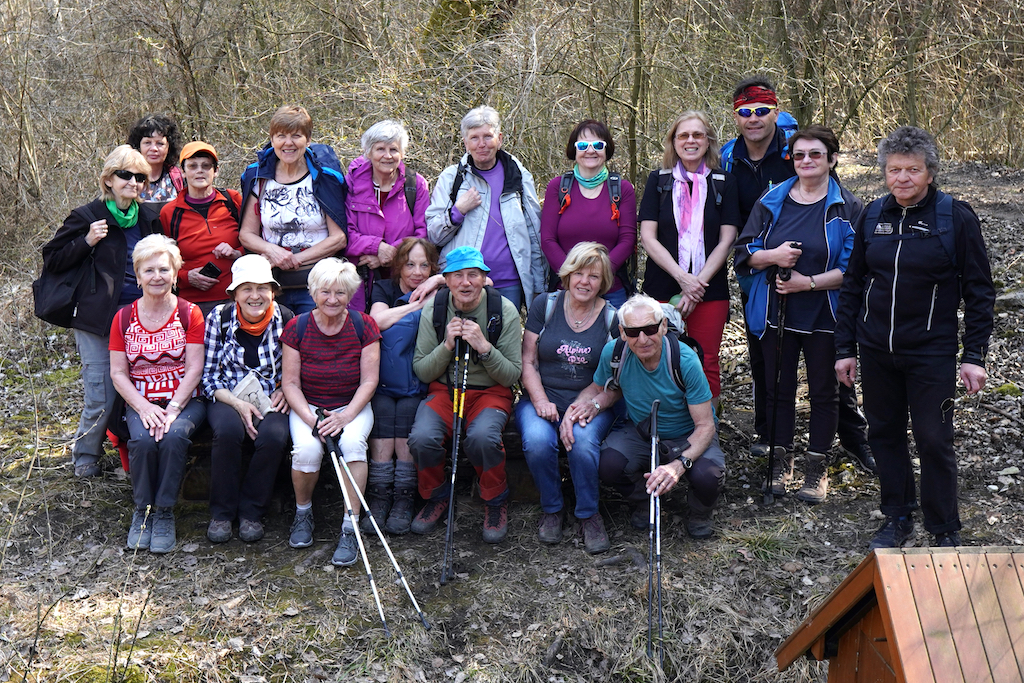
786, 273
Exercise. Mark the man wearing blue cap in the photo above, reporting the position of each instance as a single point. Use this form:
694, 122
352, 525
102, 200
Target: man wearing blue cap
489, 323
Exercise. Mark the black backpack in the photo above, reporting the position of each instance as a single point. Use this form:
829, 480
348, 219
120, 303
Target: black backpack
621, 349
495, 319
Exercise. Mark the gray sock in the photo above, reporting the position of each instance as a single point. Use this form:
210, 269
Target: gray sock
380, 474
347, 525
405, 475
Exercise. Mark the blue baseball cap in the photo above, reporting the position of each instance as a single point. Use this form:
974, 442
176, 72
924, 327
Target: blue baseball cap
464, 257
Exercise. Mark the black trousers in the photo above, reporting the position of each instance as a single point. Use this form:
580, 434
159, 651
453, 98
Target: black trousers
923, 386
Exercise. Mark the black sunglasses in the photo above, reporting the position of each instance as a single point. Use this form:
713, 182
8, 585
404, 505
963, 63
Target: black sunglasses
128, 175
649, 330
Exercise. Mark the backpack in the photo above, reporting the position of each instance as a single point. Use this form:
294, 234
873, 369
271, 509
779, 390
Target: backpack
177, 178
302, 320
674, 336
785, 122
666, 180
495, 319
460, 176
410, 190
944, 226
549, 311
225, 318
326, 156
223, 196
397, 347
124, 316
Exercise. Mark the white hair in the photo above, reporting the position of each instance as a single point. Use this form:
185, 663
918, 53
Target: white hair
640, 301
332, 271
481, 116
385, 131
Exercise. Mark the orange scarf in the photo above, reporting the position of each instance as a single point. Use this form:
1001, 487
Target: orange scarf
257, 328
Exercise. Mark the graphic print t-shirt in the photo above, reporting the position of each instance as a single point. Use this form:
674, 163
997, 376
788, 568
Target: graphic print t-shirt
156, 359
291, 216
567, 359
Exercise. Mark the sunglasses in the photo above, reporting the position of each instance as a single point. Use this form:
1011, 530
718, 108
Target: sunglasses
746, 112
128, 175
649, 330
584, 145
813, 154
686, 136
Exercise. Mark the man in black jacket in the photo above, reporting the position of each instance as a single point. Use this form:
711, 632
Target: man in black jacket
917, 253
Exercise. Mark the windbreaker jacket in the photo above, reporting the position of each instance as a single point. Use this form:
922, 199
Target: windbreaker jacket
520, 213
68, 249
842, 210
753, 178
901, 292
368, 225
198, 235
329, 185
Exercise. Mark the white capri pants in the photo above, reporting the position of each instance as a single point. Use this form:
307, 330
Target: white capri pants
308, 450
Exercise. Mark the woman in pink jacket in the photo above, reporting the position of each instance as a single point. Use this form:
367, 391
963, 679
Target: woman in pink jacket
384, 205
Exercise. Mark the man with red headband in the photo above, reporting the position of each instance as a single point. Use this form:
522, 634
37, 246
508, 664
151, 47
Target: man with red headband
759, 158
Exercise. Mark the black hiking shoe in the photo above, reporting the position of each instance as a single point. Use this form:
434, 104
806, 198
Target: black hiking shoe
400, 517
893, 534
378, 502
949, 539
862, 455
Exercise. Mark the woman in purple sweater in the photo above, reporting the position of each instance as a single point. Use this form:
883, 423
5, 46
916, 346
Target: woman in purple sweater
579, 207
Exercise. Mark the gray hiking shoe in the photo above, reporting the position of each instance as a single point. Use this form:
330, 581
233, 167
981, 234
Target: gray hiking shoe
219, 531
140, 533
164, 538
549, 530
378, 503
302, 529
815, 488
250, 530
400, 517
347, 551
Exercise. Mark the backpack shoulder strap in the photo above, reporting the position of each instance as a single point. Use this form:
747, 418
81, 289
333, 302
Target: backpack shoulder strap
225, 319
549, 310
440, 312
615, 193
230, 204
676, 362
871, 215
124, 316
713, 180
611, 321
410, 190
300, 326
665, 180
564, 185
945, 226
727, 155
495, 316
460, 175
618, 353
358, 323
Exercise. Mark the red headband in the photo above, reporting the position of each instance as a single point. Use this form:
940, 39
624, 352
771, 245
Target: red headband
755, 93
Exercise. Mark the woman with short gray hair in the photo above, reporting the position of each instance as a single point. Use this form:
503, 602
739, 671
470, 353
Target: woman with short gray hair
386, 203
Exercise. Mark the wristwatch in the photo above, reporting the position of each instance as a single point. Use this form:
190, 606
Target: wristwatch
484, 357
596, 404
687, 463
175, 405
812, 283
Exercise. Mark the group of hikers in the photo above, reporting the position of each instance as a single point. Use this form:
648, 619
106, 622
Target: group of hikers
362, 309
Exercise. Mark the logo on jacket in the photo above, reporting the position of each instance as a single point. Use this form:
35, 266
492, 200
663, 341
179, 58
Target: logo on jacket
883, 229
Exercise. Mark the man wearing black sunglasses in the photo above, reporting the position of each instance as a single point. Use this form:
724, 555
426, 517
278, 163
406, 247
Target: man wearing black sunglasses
686, 420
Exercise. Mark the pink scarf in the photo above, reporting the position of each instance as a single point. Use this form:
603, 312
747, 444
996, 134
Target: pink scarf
689, 192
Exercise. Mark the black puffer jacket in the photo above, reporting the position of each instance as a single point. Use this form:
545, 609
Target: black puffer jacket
901, 291
99, 291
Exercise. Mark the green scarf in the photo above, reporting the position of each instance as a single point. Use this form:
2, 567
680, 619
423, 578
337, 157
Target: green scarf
125, 219
590, 183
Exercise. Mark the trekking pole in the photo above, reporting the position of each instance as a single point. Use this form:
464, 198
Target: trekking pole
769, 495
458, 412
654, 552
332, 445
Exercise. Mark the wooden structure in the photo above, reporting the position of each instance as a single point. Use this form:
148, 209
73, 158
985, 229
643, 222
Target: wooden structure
921, 615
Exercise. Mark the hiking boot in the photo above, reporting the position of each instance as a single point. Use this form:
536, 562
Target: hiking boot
378, 504
87, 470
164, 539
782, 473
347, 551
250, 530
400, 517
550, 528
815, 487
893, 534
595, 538
699, 524
301, 534
496, 522
862, 455
949, 539
219, 531
640, 518
759, 449
140, 533
426, 521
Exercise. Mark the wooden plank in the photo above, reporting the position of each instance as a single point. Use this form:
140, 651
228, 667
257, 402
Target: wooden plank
906, 638
989, 616
1011, 601
938, 637
874, 663
962, 621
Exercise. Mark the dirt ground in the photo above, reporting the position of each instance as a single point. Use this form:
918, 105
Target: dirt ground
76, 606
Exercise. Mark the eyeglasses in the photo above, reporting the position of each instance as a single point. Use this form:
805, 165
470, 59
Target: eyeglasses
649, 330
746, 112
687, 136
813, 154
128, 175
584, 145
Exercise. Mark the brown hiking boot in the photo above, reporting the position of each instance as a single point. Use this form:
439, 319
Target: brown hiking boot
782, 473
815, 488
595, 537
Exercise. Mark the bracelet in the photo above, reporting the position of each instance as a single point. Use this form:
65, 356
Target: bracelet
175, 405
812, 283
596, 404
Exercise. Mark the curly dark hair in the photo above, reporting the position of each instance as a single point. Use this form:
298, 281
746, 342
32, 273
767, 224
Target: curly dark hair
158, 124
598, 129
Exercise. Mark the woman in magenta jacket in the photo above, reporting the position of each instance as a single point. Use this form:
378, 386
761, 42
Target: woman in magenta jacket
586, 212
384, 206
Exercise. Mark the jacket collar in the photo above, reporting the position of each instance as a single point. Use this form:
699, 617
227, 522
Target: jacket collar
774, 198
266, 163
513, 176
890, 203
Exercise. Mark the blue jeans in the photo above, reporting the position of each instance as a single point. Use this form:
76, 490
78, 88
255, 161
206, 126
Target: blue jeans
541, 448
513, 294
616, 298
296, 299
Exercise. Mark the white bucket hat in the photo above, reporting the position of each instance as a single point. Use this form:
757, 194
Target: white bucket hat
252, 268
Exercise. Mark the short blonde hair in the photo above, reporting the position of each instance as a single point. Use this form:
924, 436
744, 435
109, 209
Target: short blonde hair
586, 255
333, 271
122, 157
155, 245
712, 157
291, 118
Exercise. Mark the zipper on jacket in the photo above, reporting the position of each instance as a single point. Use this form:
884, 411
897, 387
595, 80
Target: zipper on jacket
895, 280
931, 309
867, 298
